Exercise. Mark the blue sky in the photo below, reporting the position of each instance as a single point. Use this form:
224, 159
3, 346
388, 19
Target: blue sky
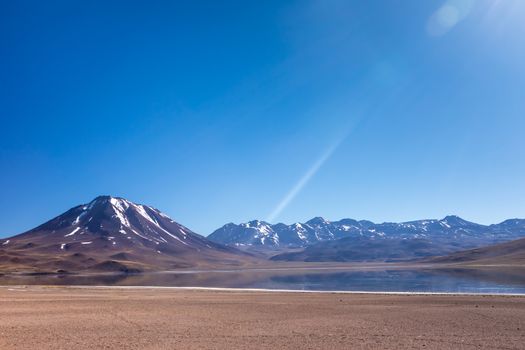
219, 112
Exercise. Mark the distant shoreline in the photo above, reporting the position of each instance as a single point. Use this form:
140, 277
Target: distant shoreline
314, 266
255, 290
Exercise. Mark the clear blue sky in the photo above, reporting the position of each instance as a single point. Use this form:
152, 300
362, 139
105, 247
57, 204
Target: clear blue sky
220, 111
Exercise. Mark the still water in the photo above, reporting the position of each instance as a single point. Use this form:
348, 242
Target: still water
429, 280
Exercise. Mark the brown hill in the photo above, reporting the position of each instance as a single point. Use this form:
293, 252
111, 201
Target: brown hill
509, 253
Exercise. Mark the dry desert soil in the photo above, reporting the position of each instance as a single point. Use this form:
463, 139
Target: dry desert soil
147, 318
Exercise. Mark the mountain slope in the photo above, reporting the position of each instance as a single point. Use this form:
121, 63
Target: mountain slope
364, 249
112, 233
508, 253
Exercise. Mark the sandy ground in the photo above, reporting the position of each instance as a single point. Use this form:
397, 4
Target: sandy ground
86, 318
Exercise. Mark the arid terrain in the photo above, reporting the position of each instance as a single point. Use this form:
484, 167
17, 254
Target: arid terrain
147, 318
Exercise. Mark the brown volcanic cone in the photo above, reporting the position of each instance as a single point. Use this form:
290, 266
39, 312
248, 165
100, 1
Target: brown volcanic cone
109, 234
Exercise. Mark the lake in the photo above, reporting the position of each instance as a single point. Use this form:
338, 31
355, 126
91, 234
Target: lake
490, 281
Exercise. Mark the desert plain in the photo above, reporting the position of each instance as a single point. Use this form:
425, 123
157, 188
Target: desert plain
42, 317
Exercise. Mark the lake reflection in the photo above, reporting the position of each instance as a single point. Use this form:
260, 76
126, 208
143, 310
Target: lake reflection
422, 280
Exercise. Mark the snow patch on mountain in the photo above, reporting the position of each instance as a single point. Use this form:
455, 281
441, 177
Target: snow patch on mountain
73, 232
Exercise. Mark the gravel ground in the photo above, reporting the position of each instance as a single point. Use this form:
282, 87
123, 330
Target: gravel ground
90, 318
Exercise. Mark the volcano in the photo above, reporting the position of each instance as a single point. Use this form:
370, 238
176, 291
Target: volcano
113, 234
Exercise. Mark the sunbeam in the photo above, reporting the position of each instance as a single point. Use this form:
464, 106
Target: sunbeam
296, 189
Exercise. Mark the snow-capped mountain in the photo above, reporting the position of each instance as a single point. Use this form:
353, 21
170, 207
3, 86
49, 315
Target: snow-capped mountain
452, 229
258, 231
111, 229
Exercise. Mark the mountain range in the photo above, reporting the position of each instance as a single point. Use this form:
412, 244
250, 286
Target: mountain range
352, 240
113, 234
260, 233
